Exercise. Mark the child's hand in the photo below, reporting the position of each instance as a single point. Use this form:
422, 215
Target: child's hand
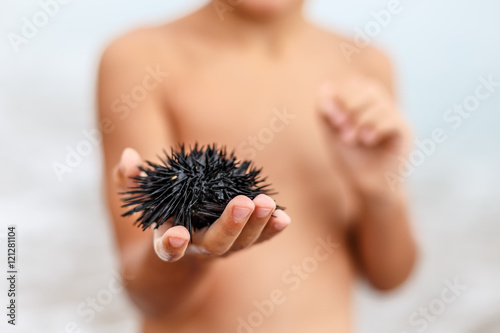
243, 223
373, 138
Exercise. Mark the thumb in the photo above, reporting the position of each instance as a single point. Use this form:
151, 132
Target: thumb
128, 167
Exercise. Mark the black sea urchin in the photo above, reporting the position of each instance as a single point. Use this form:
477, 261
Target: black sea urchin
192, 187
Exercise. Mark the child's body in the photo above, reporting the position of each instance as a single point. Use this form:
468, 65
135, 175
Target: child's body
254, 86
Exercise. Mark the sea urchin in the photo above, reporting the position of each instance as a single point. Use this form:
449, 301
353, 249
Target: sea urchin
191, 187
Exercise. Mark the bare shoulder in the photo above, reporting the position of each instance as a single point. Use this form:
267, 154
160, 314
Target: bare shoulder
168, 46
375, 64
135, 50
368, 61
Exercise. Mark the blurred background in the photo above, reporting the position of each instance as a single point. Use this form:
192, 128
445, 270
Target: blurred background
442, 51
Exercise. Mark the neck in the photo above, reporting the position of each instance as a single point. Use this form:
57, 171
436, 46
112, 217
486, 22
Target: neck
248, 29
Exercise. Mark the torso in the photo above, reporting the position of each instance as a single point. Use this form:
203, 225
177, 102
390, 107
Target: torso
221, 96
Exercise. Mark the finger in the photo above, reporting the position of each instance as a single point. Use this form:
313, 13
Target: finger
384, 131
277, 223
170, 245
221, 235
342, 128
127, 167
361, 92
264, 207
342, 110
353, 101
365, 125
328, 107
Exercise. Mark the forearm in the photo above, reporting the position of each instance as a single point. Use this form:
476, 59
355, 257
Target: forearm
385, 244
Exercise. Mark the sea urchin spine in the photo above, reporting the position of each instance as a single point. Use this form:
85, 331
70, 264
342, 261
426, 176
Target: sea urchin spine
192, 188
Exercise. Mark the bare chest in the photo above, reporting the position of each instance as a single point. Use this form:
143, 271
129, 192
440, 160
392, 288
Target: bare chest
268, 115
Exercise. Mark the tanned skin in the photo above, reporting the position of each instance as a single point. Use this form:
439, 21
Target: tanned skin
336, 131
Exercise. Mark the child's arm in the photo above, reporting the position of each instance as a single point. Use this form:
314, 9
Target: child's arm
372, 139
157, 280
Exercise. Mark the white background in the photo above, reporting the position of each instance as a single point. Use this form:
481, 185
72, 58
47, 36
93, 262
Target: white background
440, 49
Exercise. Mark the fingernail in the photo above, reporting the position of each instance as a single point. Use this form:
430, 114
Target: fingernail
241, 213
263, 212
286, 221
176, 242
281, 226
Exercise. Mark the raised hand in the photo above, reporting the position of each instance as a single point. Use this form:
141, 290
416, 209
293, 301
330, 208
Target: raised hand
369, 131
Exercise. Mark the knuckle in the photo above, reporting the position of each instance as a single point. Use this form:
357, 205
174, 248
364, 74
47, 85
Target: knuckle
230, 231
238, 247
215, 248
